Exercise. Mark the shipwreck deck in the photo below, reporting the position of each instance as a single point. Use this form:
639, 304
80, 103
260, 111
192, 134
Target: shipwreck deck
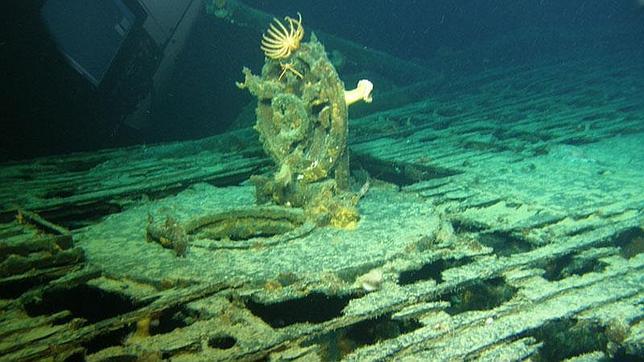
505, 216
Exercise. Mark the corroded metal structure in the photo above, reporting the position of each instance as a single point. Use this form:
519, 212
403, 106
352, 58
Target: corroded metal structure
302, 120
539, 259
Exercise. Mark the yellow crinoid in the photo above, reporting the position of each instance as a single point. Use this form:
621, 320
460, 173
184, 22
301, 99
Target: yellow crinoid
279, 42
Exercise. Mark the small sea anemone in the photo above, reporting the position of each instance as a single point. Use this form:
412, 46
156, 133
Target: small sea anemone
372, 280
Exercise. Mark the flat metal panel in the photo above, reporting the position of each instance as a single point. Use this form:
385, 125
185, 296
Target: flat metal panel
88, 33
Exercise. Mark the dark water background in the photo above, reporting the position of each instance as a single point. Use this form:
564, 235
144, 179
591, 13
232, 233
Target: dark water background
415, 29
49, 109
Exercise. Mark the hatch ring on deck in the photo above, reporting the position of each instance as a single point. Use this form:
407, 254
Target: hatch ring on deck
248, 227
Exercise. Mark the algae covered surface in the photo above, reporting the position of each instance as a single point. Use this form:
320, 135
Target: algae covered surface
481, 208
321, 259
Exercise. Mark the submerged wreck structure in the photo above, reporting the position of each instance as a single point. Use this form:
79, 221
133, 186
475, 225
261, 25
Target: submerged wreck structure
239, 247
303, 122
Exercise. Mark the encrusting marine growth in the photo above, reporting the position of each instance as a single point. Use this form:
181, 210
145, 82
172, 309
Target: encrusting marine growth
302, 120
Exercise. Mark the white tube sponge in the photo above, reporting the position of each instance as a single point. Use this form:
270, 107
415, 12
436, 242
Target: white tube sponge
362, 92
